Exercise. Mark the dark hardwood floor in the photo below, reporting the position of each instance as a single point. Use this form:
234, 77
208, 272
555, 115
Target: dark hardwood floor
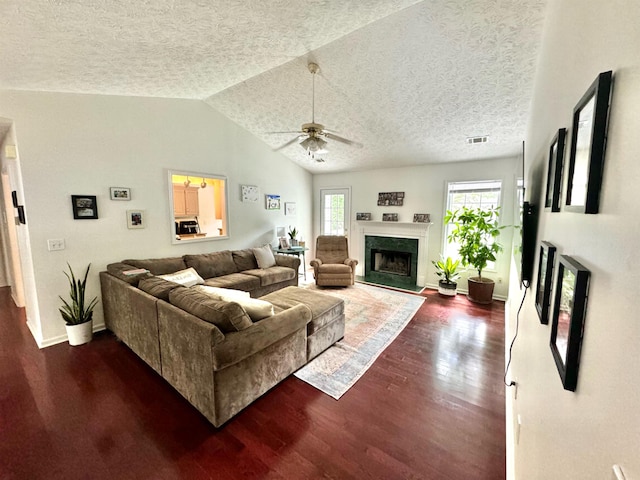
431, 407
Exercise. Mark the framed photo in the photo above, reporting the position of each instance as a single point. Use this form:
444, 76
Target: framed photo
363, 217
14, 198
421, 218
554, 172
389, 217
249, 193
120, 193
586, 162
387, 199
85, 207
545, 280
290, 209
136, 219
570, 306
284, 243
21, 216
272, 202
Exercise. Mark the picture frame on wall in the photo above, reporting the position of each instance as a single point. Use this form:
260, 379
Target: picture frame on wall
389, 217
363, 216
272, 202
570, 308
554, 171
545, 280
120, 193
85, 207
421, 218
290, 209
249, 193
136, 219
588, 140
390, 199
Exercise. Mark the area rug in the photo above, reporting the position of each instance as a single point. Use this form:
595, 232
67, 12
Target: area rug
374, 318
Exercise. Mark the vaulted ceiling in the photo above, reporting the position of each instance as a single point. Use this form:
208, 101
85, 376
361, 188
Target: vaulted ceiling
408, 79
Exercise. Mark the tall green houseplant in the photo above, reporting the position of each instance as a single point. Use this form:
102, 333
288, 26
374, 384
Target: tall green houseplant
476, 232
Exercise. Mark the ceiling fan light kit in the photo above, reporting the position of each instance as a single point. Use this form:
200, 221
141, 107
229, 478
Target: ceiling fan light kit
312, 132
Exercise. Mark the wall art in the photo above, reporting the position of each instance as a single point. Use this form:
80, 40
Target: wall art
85, 207
570, 306
389, 217
363, 217
120, 193
545, 280
249, 193
290, 209
421, 218
390, 199
588, 139
272, 202
136, 219
554, 171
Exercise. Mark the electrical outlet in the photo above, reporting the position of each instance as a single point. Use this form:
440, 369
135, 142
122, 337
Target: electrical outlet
499, 279
55, 244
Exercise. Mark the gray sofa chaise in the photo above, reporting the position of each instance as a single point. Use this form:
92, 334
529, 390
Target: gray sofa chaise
208, 347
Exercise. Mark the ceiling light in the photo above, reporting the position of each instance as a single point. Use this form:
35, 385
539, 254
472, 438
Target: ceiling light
187, 182
313, 144
203, 184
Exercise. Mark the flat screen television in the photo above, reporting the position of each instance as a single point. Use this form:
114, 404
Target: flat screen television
524, 246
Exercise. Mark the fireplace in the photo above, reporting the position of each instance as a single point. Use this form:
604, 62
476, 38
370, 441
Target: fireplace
391, 261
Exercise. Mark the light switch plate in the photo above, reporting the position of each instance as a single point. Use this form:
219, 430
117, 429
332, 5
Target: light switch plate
55, 244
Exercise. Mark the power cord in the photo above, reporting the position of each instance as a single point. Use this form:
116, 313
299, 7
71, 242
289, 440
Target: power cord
511, 383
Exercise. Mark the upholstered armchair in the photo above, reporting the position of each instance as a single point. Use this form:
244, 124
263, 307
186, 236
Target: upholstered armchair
332, 265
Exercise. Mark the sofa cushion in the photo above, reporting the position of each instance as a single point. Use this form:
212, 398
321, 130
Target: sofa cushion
269, 276
159, 266
158, 287
227, 316
264, 256
119, 270
239, 281
187, 277
256, 309
209, 265
244, 259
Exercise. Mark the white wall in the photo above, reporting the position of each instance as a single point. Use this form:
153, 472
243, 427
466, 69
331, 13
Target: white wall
84, 144
425, 192
567, 435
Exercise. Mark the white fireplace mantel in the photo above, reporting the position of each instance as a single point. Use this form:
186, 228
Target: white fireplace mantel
419, 231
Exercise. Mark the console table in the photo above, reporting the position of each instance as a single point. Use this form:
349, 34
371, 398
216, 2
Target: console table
297, 251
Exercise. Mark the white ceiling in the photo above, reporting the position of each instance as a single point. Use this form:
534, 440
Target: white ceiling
408, 79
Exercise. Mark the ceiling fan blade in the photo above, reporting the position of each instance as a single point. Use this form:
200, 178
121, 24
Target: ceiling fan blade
290, 142
290, 131
341, 139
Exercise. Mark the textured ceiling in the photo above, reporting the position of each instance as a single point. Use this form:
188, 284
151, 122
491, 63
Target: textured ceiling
408, 79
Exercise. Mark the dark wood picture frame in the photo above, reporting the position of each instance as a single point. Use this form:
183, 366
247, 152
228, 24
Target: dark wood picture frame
14, 198
588, 141
570, 307
85, 207
546, 263
554, 171
21, 215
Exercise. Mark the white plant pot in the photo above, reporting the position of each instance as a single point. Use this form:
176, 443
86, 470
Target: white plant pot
80, 334
448, 289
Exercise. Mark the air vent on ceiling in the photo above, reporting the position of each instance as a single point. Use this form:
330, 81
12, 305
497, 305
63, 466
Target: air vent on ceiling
481, 139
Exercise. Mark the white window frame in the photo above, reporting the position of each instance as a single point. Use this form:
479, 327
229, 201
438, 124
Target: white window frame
346, 191
470, 187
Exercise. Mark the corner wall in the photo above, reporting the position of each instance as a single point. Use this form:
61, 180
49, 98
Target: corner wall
84, 144
566, 435
425, 192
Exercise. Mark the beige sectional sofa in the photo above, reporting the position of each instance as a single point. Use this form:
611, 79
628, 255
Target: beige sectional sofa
207, 346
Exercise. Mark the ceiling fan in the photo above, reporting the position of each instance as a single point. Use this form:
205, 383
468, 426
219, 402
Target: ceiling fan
312, 135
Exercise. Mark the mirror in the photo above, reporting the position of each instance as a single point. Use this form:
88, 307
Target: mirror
198, 206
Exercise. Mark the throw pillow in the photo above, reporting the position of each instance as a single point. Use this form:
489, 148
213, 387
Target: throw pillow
264, 256
256, 309
187, 277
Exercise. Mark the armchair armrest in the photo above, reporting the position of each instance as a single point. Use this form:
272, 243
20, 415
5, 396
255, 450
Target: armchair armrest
352, 262
316, 262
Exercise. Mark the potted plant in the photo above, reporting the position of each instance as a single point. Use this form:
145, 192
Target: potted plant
293, 233
78, 314
447, 270
476, 230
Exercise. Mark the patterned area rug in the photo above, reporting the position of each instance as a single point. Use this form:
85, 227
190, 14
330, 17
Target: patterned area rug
374, 318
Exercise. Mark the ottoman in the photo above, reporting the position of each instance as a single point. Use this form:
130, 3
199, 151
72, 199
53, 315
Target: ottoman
327, 321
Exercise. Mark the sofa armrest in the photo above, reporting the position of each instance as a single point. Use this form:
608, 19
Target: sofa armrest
290, 261
240, 345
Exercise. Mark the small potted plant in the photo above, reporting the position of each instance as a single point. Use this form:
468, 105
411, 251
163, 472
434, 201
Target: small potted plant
447, 270
476, 231
78, 314
293, 233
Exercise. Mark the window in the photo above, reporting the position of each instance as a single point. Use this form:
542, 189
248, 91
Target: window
483, 194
